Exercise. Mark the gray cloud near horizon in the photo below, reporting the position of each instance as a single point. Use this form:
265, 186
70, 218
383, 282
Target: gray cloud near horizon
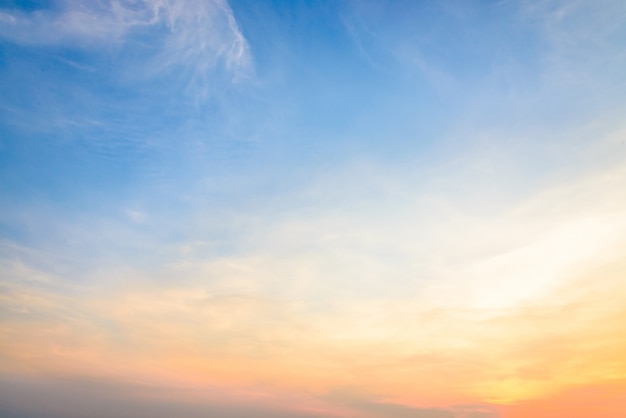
384, 409
67, 398
101, 398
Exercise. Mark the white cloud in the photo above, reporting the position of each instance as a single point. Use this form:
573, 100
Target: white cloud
195, 37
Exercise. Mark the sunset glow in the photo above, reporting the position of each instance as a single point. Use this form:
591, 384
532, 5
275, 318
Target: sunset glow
273, 209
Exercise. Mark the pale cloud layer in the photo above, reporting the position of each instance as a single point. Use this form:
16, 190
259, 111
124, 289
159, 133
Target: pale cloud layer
411, 296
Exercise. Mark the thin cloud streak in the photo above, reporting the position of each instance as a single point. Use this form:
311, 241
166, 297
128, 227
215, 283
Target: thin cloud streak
198, 36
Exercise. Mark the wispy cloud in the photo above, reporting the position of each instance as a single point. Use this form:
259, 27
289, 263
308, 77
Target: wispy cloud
582, 39
195, 38
80, 23
202, 38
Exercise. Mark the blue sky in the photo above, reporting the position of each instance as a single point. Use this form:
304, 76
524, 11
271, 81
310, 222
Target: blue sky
339, 167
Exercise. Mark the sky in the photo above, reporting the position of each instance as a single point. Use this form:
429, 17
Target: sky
297, 209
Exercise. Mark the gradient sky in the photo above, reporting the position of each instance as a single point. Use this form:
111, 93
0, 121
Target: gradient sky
290, 209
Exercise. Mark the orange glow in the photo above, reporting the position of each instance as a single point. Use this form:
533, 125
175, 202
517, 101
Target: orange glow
597, 401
